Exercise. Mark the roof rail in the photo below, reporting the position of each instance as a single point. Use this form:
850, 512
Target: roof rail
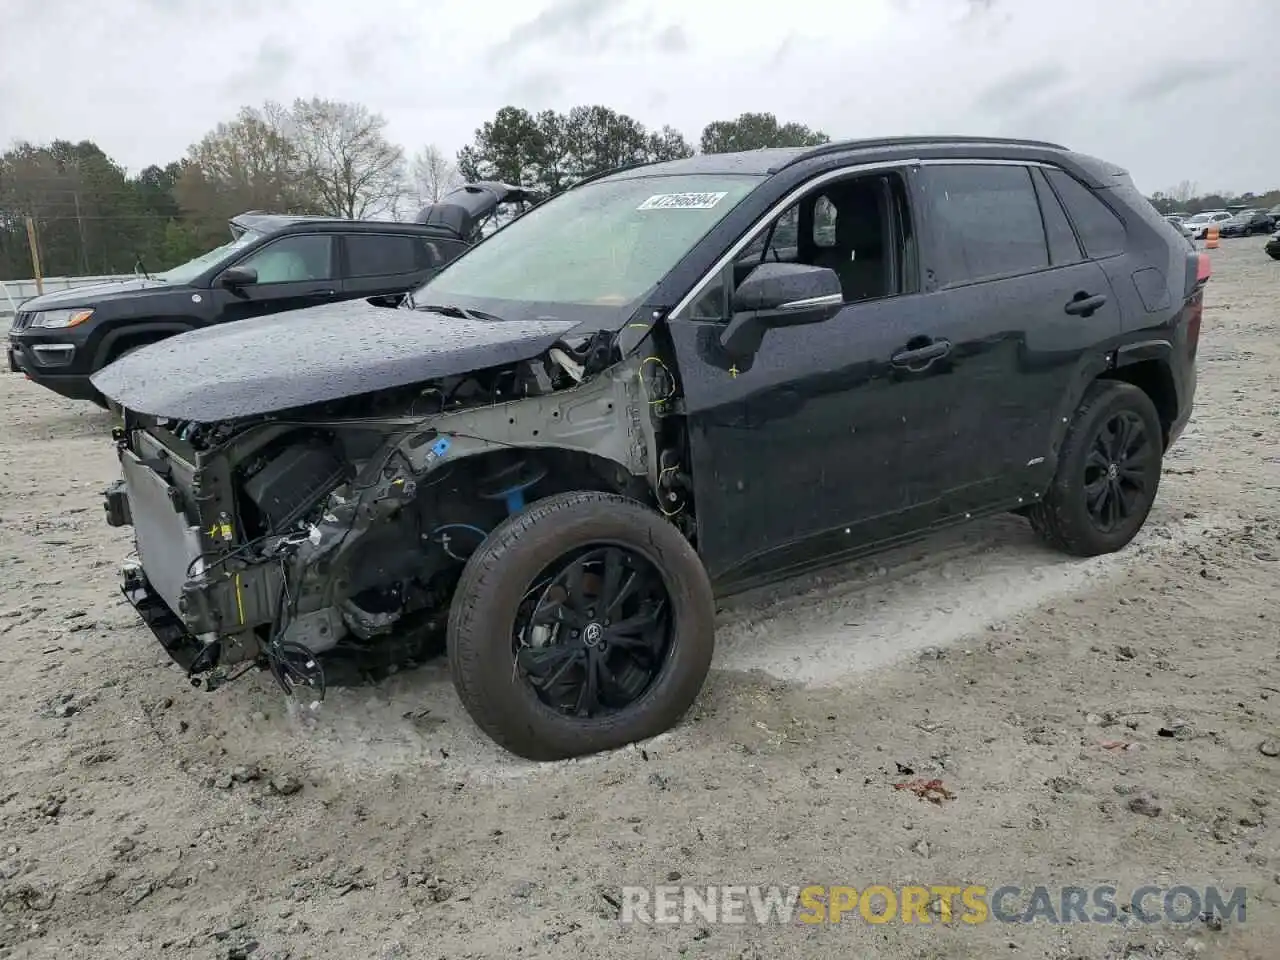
839, 146
610, 171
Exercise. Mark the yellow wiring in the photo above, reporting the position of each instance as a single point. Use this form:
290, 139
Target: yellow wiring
662, 473
672, 392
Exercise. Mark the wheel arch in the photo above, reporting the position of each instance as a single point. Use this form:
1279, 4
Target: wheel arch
1147, 366
135, 334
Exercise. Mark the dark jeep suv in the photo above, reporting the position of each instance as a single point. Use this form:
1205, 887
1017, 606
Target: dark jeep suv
670, 382
272, 264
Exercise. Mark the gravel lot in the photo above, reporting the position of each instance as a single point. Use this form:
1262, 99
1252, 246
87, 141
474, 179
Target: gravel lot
141, 818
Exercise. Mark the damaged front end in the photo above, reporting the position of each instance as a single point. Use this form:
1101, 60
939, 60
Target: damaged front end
270, 539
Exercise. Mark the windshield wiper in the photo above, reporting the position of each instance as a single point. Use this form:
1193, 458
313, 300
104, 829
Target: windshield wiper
463, 313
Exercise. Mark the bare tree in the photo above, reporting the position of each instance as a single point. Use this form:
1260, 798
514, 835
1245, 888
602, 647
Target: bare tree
1183, 192
433, 174
346, 160
247, 164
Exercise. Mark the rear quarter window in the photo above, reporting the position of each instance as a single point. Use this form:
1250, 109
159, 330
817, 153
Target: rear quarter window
379, 255
1101, 232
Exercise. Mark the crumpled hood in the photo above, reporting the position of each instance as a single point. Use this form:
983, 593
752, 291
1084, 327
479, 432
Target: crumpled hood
288, 360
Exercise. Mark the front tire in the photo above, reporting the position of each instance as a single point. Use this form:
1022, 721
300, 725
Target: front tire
1108, 473
584, 623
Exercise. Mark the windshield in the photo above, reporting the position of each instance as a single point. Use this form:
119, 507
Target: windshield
605, 244
1200, 218
188, 271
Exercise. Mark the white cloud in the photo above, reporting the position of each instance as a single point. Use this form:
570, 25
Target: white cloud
1145, 85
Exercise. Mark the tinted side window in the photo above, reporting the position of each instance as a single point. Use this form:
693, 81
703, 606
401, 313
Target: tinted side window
1101, 231
1063, 247
988, 219
293, 259
372, 255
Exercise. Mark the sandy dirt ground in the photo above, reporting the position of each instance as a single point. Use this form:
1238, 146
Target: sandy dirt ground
1099, 722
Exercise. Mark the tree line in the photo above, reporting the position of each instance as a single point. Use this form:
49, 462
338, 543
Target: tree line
315, 156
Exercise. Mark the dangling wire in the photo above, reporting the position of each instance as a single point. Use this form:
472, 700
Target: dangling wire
661, 506
671, 381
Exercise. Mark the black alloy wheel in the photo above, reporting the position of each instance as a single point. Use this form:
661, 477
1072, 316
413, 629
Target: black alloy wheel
1118, 470
1108, 472
583, 623
595, 637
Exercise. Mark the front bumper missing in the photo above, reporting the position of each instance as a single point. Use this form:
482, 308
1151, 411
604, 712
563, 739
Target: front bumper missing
204, 611
184, 649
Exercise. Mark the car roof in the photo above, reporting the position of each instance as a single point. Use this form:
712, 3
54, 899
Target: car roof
261, 221
766, 162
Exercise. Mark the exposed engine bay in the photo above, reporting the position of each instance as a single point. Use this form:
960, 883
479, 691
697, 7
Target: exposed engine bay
270, 540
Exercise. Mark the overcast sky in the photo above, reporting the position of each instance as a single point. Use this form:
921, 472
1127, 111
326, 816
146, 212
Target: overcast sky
1173, 89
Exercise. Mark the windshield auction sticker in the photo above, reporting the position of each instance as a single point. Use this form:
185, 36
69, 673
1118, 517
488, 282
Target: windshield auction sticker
682, 201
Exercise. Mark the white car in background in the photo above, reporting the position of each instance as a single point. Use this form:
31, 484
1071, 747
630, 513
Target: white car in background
1200, 223
1180, 224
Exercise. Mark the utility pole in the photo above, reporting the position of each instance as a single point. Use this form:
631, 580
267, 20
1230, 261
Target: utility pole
84, 244
35, 255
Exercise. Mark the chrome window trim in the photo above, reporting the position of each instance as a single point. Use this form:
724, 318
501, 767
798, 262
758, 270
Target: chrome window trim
827, 300
699, 288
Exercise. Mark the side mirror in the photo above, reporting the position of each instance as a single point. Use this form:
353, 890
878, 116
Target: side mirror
779, 295
234, 277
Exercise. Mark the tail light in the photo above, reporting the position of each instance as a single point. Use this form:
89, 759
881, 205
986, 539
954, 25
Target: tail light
1195, 311
1195, 308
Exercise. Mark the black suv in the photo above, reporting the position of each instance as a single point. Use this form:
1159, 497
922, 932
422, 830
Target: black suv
272, 264
669, 382
1246, 223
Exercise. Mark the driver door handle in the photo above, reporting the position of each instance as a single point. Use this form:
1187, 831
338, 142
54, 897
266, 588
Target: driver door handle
919, 355
321, 292
1083, 304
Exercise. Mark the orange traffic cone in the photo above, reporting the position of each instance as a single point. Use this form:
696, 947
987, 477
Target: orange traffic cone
1211, 237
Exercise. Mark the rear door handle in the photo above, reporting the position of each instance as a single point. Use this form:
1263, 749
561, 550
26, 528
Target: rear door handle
1084, 304
922, 356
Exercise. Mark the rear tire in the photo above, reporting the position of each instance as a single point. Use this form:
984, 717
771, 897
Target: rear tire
1108, 473
492, 620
